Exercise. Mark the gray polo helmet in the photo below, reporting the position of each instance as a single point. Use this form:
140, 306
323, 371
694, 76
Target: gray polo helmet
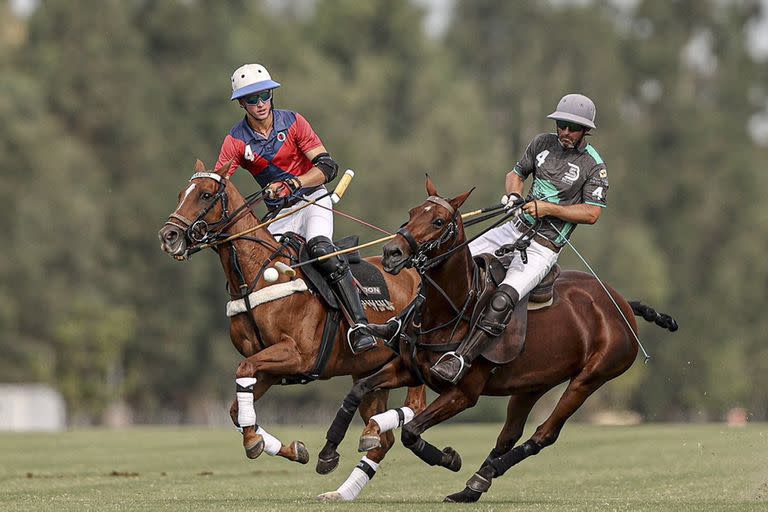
575, 108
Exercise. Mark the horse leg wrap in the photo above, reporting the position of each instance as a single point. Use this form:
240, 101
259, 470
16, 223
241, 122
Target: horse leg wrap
359, 478
513, 456
479, 482
344, 415
393, 418
272, 444
246, 413
427, 452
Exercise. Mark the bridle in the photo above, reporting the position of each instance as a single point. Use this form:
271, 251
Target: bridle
200, 232
418, 258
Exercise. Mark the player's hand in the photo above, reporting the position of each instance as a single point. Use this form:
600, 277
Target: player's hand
512, 200
281, 189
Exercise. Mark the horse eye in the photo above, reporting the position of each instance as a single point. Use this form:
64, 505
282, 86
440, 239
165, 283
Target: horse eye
206, 196
438, 223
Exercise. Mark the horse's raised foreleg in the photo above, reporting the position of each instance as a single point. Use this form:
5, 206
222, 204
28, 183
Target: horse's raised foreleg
392, 375
518, 409
415, 402
450, 402
280, 359
546, 434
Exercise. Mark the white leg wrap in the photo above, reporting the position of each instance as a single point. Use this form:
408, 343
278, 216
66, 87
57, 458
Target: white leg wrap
393, 418
358, 479
272, 444
246, 413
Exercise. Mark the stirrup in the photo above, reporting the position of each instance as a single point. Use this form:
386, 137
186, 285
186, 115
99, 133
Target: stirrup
365, 347
459, 374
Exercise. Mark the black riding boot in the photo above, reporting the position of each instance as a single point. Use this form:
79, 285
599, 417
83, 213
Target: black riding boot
336, 272
452, 366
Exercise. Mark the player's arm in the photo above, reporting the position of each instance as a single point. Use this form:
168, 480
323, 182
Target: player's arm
576, 213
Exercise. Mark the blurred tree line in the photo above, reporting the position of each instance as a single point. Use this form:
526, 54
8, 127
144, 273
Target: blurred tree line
105, 104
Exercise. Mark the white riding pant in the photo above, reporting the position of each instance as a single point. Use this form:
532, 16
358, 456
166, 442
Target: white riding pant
522, 277
309, 222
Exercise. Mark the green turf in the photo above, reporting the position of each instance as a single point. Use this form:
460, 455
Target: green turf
668, 467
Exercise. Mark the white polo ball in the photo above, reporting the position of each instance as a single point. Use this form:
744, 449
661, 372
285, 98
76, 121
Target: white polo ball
271, 275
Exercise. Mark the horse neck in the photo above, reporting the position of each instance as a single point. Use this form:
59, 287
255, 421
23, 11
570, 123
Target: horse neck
250, 255
454, 276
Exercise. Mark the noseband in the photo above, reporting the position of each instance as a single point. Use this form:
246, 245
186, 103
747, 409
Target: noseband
419, 259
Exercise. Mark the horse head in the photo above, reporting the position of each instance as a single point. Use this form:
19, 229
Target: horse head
202, 213
430, 227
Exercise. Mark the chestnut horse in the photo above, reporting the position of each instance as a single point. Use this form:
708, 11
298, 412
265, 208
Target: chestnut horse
280, 338
581, 338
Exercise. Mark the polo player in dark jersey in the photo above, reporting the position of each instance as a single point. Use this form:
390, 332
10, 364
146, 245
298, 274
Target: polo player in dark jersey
570, 183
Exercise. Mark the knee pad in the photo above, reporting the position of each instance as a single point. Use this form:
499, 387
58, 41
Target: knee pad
504, 299
333, 268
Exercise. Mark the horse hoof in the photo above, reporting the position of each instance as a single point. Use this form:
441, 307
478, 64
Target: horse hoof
452, 459
253, 451
330, 496
368, 443
465, 496
300, 451
325, 466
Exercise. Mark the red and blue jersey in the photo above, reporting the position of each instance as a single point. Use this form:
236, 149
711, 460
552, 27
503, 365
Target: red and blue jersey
280, 156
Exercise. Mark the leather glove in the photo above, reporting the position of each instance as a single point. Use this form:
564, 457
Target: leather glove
282, 188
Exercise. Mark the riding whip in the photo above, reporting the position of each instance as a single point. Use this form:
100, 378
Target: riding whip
591, 270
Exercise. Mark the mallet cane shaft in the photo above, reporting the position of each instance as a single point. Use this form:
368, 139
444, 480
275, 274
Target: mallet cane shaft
387, 238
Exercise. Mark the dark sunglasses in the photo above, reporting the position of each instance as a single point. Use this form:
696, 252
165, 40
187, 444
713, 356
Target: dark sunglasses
263, 97
571, 126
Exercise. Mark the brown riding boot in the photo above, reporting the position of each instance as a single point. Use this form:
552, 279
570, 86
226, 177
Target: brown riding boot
452, 366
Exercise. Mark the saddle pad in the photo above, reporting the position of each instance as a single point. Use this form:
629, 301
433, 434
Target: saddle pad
374, 292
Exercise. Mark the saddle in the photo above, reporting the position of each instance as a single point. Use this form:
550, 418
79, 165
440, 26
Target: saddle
371, 284
492, 273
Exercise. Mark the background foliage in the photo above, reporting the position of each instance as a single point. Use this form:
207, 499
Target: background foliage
105, 104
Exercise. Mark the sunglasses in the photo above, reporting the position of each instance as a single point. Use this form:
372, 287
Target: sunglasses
259, 97
573, 127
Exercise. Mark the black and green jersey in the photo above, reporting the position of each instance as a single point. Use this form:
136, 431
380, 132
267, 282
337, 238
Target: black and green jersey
562, 176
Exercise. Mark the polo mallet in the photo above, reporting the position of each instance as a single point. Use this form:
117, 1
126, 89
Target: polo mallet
387, 238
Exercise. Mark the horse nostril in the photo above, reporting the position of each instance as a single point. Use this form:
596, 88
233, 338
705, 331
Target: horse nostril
171, 235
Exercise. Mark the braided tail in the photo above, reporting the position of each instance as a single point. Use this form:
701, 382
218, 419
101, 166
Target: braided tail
650, 315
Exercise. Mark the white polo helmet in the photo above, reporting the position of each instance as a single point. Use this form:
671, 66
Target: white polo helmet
575, 108
250, 79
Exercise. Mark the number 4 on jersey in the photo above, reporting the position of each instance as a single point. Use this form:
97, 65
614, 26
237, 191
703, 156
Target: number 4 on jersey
541, 157
249, 153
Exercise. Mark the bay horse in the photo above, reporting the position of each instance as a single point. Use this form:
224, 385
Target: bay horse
581, 338
278, 339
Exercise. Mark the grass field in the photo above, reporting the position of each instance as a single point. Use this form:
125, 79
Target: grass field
650, 467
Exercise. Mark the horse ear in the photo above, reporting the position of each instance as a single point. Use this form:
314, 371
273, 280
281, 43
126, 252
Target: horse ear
199, 166
223, 171
431, 190
457, 201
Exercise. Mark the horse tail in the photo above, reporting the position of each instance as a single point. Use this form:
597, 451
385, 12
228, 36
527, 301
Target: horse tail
650, 315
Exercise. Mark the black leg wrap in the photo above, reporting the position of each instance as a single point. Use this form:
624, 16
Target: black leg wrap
492, 455
341, 422
427, 452
501, 464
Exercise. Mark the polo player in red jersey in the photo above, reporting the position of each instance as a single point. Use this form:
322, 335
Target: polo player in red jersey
287, 158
